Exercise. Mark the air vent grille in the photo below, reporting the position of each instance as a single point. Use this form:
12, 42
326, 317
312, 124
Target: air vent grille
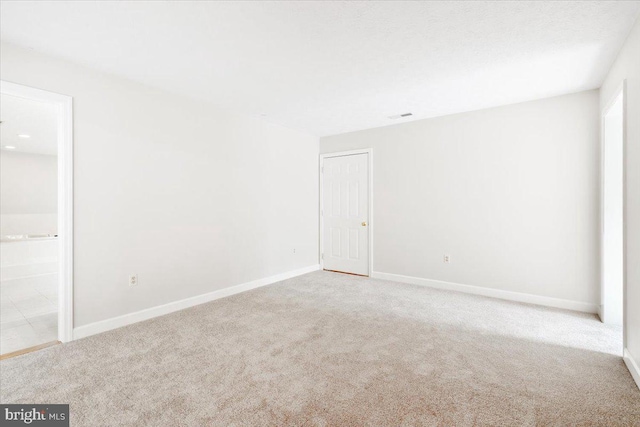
400, 115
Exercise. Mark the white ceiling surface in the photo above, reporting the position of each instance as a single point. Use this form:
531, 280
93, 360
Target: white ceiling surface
333, 67
22, 116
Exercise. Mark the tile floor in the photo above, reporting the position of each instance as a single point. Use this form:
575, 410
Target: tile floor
28, 312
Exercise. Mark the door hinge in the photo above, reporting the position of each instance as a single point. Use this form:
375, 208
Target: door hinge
322, 256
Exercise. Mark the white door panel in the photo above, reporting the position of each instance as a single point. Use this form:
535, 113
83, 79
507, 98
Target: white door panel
613, 216
346, 213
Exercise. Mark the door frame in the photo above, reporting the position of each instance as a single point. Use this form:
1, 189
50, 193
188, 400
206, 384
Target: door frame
64, 106
620, 90
370, 222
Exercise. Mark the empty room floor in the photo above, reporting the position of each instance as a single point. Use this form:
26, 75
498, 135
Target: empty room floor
29, 312
333, 349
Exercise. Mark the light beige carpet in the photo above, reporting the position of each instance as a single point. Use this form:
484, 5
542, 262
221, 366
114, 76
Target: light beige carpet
329, 349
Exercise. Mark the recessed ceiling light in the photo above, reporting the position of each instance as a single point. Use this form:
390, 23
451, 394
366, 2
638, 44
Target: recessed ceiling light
22, 135
401, 115
9, 147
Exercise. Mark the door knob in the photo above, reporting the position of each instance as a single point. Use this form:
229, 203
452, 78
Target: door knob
364, 223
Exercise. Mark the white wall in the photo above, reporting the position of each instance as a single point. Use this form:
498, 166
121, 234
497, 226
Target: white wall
28, 193
191, 198
627, 66
510, 193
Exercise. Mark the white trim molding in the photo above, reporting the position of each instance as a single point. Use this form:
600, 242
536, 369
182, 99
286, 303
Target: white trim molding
632, 365
491, 292
369, 152
64, 106
150, 313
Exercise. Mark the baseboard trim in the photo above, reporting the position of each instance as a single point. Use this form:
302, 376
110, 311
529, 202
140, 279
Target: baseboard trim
149, 313
490, 292
632, 366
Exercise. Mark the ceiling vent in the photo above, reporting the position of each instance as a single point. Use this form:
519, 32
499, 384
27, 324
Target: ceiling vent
401, 115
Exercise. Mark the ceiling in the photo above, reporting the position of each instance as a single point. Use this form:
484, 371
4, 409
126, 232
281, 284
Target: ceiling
36, 119
332, 67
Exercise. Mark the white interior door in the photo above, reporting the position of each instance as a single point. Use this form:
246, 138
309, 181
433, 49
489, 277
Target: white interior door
345, 213
612, 239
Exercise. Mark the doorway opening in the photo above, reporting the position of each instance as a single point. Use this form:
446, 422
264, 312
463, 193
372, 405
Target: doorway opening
613, 289
36, 258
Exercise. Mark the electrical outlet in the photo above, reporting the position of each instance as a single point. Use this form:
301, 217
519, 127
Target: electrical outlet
294, 250
446, 259
133, 280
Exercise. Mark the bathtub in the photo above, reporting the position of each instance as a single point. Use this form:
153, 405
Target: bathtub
24, 255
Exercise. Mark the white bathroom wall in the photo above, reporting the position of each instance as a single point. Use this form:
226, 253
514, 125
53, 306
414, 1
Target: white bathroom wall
627, 67
509, 193
191, 198
28, 193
